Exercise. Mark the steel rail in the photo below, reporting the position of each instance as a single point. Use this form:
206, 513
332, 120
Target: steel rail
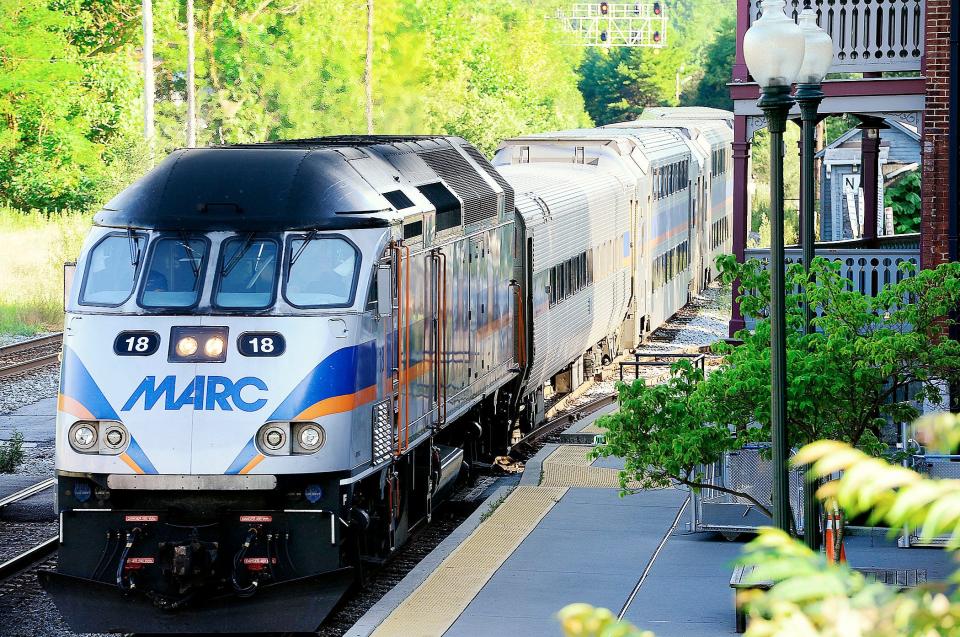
25, 493
28, 558
565, 420
33, 343
26, 366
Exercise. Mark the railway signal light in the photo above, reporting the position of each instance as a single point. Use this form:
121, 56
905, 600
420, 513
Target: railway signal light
603, 36
656, 36
604, 8
657, 9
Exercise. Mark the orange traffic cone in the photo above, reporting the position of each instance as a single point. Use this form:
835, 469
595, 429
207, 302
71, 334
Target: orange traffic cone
829, 539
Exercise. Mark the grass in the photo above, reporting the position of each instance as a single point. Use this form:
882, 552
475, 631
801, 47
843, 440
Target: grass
11, 453
494, 506
33, 248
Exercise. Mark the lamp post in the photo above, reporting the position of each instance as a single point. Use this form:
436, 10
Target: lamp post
817, 59
773, 49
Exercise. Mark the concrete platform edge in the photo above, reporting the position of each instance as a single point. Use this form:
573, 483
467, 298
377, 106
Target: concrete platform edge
389, 602
533, 468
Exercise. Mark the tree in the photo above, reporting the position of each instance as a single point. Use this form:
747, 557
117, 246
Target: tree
718, 68
613, 85
66, 84
903, 195
844, 381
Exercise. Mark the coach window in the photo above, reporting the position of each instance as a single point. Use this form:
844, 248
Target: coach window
322, 272
553, 286
247, 273
174, 273
111, 270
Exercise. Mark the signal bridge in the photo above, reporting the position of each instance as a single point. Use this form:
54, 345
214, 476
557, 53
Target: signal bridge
617, 24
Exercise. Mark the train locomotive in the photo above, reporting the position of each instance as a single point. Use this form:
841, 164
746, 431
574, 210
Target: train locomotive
280, 357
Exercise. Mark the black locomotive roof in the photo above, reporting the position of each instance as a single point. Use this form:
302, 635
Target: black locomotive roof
271, 186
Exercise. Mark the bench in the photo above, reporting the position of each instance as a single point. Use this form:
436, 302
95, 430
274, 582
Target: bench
901, 578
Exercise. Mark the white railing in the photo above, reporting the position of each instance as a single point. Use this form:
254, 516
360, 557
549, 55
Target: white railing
868, 269
868, 35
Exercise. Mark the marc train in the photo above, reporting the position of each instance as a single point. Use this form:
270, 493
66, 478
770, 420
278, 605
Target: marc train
279, 357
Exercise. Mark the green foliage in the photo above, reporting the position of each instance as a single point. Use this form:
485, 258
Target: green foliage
482, 70
718, 68
614, 86
813, 598
65, 91
692, 68
842, 381
903, 195
760, 169
837, 125
70, 81
584, 620
11, 453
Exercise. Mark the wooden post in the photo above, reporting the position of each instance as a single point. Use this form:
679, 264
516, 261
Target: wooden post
741, 177
870, 160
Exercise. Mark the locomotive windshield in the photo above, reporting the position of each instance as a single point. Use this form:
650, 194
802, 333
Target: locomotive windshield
111, 270
248, 273
322, 272
174, 273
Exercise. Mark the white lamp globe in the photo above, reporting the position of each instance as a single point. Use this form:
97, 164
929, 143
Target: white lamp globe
818, 50
773, 47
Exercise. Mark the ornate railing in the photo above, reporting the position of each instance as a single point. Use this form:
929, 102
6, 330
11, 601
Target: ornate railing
868, 35
868, 269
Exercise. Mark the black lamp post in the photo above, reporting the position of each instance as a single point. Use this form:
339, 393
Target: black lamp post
817, 59
773, 48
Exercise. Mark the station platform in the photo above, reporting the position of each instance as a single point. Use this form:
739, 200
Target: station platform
35, 421
566, 535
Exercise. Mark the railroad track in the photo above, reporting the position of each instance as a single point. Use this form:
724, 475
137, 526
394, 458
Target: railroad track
38, 552
31, 354
563, 421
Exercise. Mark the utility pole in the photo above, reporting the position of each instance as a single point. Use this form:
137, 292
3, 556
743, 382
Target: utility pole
368, 69
148, 89
191, 83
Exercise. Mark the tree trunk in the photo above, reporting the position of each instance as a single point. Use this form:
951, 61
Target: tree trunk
191, 80
368, 69
148, 86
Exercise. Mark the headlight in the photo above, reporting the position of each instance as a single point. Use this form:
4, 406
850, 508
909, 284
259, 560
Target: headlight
83, 436
196, 344
213, 347
309, 436
274, 439
114, 437
187, 346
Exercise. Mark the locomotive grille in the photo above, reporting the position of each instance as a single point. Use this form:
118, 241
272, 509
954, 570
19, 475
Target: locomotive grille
479, 199
496, 176
382, 432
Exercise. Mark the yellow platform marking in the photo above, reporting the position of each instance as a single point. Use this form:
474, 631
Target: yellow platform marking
433, 607
569, 466
592, 428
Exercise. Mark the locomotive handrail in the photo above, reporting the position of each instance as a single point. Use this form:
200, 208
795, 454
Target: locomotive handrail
402, 256
441, 364
406, 351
